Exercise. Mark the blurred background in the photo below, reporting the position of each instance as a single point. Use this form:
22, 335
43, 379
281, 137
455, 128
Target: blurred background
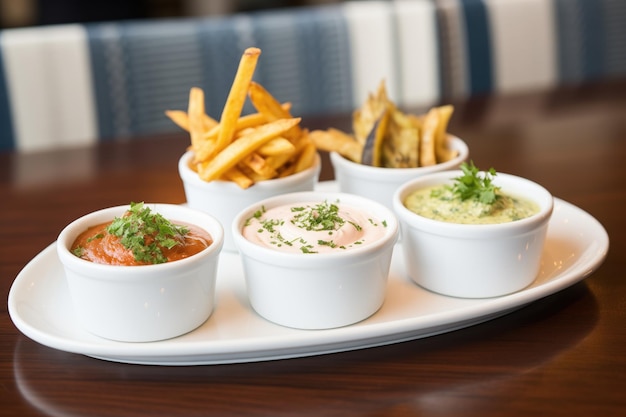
96, 70
19, 13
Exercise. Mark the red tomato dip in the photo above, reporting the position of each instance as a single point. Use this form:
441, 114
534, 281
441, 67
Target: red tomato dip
140, 241
108, 249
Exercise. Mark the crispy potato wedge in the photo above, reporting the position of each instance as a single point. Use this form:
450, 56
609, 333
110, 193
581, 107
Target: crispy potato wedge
427, 146
386, 137
442, 151
334, 140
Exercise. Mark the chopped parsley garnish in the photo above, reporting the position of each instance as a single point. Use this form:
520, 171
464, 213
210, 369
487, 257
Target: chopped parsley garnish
471, 185
146, 233
98, 236
257, 215
307, 249
322, 216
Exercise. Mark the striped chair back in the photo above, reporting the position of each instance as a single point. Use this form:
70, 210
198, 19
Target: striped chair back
69, 85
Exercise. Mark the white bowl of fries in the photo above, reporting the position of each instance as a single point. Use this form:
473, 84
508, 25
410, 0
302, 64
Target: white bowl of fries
316, 277
224, 199
240, 159
388, 147
466, 247
378, 183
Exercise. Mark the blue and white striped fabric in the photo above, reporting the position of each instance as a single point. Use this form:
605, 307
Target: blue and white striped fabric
496, 46
69, 85
48, 88
592, 39
395, 42
503, 46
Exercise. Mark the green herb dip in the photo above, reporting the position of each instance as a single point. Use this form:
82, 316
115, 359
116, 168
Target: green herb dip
441, 203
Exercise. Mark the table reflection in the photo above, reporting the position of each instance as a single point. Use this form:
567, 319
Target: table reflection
82, 380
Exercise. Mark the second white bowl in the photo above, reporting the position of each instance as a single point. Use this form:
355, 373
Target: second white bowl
317, 290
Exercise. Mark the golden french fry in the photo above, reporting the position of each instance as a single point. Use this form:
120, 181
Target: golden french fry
181, 119
209, 122
306, 158
238, 177
267, 104
277, 146
278, 161
204, 149
286, 170
193, 165
243, 122
258, 164
334, 140
236, 97
243, 146
195, 114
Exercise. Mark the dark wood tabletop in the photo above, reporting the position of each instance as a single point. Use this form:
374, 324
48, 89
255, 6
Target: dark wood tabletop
562, 355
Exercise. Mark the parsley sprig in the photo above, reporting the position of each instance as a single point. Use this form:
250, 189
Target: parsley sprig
146, 233
473, 185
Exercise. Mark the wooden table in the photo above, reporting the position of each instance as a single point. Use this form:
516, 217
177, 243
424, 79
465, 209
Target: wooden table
561, 355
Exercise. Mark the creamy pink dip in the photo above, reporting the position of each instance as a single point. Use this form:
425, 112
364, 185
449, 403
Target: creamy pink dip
313, 228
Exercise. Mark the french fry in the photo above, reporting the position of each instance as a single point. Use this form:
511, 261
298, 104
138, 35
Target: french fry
238, 177
335, 140
306, 158
204, 149
196, 116
260, 167
242, 123
266, 104
277, 146
238, 149
278, 161
236, 97
287, 170
180, 118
